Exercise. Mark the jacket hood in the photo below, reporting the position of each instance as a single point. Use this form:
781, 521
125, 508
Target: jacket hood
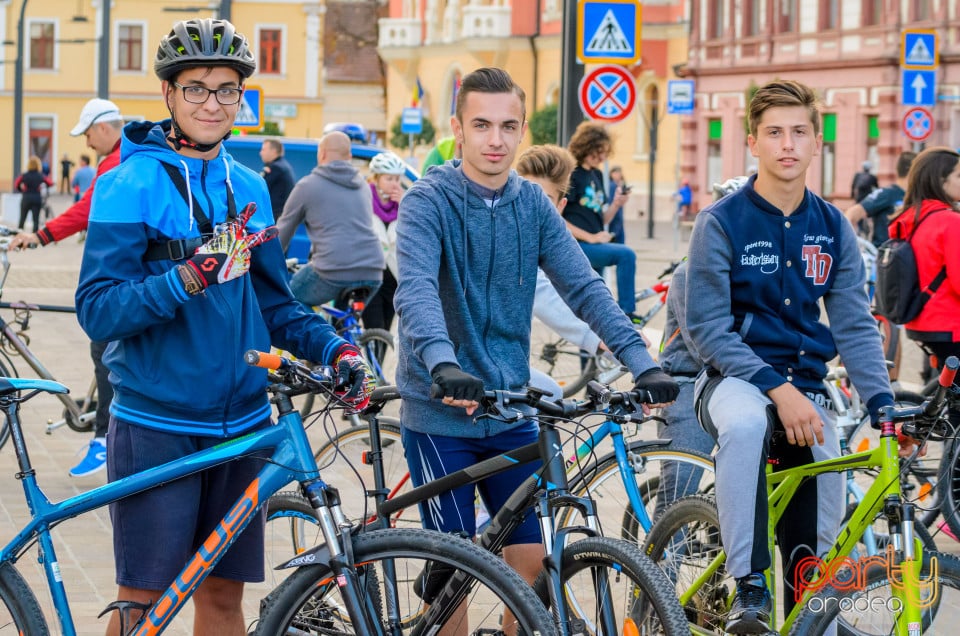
343, 173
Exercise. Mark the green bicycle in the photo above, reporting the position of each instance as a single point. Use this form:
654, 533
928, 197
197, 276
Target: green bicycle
907, 590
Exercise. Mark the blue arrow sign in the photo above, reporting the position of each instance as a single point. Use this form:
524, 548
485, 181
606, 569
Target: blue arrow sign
919, 88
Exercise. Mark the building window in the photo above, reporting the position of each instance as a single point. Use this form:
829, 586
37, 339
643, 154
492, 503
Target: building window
919, 10
872, 12
828, 155
751, 17
714, 152
715, 22
41, 45
829, 15
787, 16
269, 45
129, 47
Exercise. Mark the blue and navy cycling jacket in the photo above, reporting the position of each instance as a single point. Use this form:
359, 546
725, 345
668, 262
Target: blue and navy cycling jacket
176, 361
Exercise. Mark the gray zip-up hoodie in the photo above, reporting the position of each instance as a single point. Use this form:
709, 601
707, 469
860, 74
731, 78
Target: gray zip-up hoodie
467, 277
334, 203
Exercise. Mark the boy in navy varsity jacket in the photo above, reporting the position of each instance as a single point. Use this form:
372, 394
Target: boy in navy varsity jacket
761, 260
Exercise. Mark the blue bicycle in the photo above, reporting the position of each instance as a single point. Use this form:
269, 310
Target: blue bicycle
360, 582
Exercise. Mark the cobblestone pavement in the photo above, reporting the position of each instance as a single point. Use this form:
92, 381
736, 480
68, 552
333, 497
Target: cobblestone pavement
49, 275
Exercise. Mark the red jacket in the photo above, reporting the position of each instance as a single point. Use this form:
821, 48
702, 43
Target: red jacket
937, 243
76, 217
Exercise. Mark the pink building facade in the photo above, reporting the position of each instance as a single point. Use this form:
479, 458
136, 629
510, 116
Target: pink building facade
848, 51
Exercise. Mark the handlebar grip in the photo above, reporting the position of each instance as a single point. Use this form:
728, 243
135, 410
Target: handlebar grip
935, 404
263, 360
949, 371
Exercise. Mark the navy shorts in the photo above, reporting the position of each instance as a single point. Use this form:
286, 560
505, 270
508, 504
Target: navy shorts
432, 456
157, 531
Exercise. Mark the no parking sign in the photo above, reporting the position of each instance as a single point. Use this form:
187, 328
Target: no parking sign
918, 124
608, 94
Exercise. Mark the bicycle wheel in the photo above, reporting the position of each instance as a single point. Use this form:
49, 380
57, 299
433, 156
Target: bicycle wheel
662, 473
7, 370
20, 612
292, 528
949, 478
597, 569
376, 345
341, 462
871, 610
684, 541
308, 601
563, 361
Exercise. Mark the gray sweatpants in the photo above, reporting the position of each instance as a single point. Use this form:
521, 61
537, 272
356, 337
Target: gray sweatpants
739, 421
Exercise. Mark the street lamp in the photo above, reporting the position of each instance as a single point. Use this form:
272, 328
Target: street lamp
223, 9
18, 96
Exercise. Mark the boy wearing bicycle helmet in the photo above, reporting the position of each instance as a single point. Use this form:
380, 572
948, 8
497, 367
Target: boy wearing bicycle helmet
761, 261
180, 274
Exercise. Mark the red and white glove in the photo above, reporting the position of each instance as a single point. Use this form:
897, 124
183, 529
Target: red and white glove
226, 256
354, 379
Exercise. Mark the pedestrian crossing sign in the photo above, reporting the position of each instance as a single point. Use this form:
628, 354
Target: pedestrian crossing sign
608, 32
250, 110
919, 50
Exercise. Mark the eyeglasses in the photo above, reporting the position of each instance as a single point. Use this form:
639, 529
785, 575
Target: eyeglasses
196, 94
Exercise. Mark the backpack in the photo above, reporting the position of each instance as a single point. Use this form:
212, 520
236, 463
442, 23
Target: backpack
898, 294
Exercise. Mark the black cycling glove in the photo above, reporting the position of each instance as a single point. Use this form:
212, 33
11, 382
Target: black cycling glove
656, 387
450, 381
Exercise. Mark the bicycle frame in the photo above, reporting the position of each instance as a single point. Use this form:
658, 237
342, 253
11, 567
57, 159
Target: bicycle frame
21, 348
291, 460
783, 484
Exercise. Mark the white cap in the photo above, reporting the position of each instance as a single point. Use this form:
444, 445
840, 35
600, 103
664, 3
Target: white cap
96, 111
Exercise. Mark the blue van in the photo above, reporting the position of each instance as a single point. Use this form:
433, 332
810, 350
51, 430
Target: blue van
302, 156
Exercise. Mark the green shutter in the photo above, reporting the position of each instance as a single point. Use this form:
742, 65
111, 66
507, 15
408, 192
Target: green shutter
873, 128
829, 127
716, 129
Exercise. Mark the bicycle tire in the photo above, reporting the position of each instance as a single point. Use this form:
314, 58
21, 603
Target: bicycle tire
306, 598
20, 612
644, 596
7, 370
683, 542
949, 479
826, 605
563, 361
375, 345
602, 482
892, 344
338, 467
292, 527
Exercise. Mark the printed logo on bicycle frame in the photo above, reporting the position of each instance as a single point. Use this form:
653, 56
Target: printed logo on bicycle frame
847, 575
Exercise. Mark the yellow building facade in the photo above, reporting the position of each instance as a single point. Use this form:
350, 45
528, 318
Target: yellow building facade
437, 41
62, 49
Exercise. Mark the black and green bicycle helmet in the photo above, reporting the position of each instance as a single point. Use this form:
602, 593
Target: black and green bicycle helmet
203, 42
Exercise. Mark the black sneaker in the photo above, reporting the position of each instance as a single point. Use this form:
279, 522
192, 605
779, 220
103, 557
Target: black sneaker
635, 319
751, 609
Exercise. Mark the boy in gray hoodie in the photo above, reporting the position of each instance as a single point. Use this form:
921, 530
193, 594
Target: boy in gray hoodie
470, 237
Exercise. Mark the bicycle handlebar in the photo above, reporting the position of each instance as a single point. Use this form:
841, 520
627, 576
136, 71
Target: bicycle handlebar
928, 413
599, 397
292, 373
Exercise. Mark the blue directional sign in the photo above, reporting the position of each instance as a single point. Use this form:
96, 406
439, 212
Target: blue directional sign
919, 88
411, 121
608, 32
919, 50
250, 111
680, 97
